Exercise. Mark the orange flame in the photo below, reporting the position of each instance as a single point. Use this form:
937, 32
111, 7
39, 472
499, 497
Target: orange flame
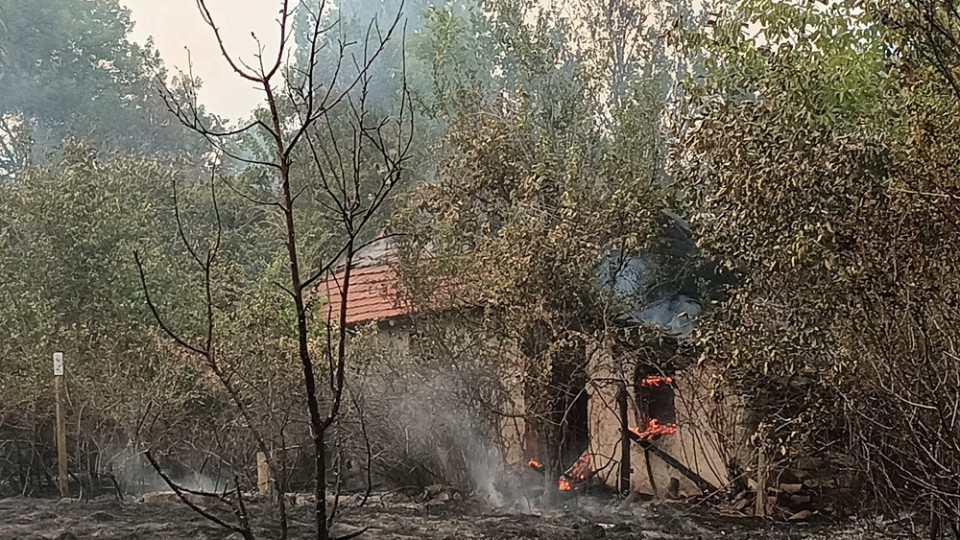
656, 380
654, 428
580, 469
578, 472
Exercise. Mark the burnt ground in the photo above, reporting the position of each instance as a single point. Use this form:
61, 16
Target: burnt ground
396, 517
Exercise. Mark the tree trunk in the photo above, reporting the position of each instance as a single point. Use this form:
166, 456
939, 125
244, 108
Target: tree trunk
625, 465
552, 469
320, 487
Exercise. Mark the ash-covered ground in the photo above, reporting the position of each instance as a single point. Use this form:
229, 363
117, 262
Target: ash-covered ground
397, 517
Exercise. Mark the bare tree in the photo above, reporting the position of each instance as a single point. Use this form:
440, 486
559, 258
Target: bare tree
353, 159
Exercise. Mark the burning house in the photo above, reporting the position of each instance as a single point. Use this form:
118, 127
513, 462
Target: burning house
645, 420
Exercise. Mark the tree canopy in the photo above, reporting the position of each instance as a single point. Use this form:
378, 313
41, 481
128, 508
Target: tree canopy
815, 162
69, 68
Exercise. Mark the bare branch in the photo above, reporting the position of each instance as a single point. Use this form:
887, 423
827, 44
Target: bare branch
208, 19
179, 491
156, 313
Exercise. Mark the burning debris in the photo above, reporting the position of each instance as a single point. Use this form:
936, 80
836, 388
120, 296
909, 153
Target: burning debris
580, 471
656, 380
645, 438
654, 429
575, 477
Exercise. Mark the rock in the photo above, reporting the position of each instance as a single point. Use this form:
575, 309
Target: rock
591, 532
441, 493
742, 504
800, 516
67, 535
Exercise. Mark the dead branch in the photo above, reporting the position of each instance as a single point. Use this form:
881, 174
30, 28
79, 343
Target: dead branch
180, 492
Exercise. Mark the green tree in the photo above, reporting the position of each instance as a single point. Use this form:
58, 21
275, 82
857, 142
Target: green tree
540, 180
818, 163
68, 68
68, 282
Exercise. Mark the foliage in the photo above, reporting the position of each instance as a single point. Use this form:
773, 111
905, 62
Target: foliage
68, 68
539, 179
69, 283
815, 164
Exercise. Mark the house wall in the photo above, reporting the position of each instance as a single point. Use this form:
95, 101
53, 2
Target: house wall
711, 428
698, 443
606, 375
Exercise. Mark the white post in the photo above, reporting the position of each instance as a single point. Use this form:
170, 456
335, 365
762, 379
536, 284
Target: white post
62, 480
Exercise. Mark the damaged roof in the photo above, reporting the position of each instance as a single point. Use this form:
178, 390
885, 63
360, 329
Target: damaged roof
373, 294
672, 306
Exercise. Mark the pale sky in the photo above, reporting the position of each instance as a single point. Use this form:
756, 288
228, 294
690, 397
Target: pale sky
176, 24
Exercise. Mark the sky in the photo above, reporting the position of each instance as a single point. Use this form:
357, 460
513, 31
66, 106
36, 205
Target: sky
176, 25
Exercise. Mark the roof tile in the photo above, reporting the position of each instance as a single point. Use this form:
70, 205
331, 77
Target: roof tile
372, 295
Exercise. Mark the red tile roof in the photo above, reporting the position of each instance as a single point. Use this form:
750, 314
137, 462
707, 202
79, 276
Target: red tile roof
373, 294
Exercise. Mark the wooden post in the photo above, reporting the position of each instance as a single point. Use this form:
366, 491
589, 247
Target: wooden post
761, 509
263, 475
625, 446
62, 479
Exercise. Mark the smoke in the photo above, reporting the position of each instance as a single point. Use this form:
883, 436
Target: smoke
136, 476
360, 26
646, 298
674, 314
434, 426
